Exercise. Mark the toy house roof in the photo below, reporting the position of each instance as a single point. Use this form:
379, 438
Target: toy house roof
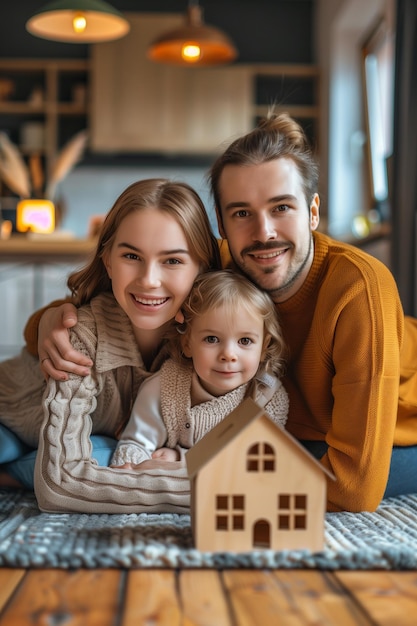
222, 434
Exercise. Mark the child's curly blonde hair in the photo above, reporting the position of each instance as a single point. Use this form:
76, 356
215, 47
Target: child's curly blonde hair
229, 290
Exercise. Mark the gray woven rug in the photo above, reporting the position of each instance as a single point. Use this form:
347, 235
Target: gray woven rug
386, 539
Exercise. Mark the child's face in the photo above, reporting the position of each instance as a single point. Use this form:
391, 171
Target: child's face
151, 269
225, 352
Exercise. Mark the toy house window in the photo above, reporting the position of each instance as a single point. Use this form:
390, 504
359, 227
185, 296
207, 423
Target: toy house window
292, 511
230, 512
260, 458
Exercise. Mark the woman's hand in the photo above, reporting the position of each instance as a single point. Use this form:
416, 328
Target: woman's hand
56, 354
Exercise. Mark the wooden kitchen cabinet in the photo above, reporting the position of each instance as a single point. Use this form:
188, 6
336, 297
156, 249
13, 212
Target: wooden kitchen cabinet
142, 106
46, 105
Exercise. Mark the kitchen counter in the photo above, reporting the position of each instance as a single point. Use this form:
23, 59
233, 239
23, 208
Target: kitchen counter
44, 248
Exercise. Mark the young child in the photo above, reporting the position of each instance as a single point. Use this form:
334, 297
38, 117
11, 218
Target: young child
230, 348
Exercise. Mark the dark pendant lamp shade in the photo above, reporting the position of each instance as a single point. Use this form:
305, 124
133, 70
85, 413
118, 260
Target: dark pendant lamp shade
195, 43
78, 21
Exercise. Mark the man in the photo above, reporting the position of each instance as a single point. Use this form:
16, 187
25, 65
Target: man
351, 372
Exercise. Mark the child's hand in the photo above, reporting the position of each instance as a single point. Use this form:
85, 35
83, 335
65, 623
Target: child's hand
124, 466
166, 454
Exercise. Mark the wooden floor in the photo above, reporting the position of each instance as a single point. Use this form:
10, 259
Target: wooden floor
206, 598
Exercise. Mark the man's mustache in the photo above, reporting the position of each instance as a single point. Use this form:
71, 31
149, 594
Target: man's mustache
267, 246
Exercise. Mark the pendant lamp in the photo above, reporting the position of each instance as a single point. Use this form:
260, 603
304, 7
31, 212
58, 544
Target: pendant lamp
78, 21
195, 43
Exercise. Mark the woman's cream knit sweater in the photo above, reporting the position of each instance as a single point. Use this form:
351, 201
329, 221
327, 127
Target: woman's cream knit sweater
64, 414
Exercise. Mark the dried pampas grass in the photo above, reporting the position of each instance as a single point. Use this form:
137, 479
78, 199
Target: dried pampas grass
70, 154
23, 180
13, 169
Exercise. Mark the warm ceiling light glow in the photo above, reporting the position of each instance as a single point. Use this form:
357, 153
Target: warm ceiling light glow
78, 21
191, 52
214, 46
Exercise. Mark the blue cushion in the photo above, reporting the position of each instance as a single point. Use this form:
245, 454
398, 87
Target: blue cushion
22, 467
103, 448
11, 447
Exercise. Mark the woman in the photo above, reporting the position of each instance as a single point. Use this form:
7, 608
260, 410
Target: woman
154, 242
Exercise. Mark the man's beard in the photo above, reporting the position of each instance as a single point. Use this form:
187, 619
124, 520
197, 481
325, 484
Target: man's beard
289, 282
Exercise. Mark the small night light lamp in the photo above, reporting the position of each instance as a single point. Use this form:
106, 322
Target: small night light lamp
35, 216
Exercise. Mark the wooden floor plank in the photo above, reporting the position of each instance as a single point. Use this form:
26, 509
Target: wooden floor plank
318, 598
206, 598
297, 597
389, 597
256, 598
202, 598
65, 598
9, 580
151, 599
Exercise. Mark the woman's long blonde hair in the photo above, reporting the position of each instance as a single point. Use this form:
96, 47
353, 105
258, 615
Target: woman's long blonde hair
230, 291
176, 199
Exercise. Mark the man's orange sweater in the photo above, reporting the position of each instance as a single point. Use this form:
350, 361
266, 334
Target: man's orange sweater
352, 370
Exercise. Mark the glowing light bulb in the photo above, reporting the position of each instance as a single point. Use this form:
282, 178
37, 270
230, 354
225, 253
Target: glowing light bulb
191, 52
79, 23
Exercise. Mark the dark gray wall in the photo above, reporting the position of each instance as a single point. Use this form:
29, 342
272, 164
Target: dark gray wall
264, 31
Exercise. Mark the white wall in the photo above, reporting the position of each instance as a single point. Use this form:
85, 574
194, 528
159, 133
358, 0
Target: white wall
89, 191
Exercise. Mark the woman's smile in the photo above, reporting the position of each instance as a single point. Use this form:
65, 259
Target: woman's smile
150, 301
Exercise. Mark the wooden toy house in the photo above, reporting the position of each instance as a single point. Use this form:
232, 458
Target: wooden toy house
253, 486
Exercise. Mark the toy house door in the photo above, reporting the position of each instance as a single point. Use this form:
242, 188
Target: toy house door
261, 534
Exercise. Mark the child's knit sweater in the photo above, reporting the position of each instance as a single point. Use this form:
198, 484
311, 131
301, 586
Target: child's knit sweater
163, 414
